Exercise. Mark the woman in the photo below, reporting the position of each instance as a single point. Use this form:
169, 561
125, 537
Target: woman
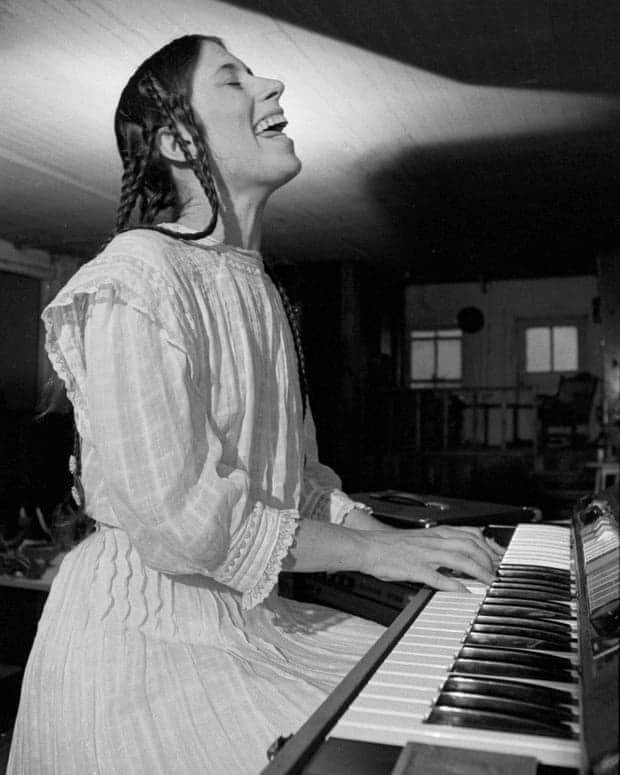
163, 647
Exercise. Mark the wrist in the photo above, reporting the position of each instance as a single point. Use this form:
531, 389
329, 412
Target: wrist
363, 519
366, 550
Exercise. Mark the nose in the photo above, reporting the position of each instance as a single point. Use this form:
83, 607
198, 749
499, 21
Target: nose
271, 88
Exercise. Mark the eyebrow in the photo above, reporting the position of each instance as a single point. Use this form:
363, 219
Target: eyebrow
233, 67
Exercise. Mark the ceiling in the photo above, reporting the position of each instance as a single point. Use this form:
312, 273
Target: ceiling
450, 139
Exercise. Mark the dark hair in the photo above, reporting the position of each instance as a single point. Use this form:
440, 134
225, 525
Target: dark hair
159, 95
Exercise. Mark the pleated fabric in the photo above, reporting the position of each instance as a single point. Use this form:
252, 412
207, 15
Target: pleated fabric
137, 673
163, 647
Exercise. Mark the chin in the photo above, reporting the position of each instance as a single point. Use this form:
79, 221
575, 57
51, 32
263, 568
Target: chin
287, 169
295, 168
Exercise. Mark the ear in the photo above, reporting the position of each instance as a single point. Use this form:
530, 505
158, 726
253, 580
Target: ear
169, 147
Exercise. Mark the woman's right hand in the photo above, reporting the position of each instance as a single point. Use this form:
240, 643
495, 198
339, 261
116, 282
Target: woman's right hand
417, 555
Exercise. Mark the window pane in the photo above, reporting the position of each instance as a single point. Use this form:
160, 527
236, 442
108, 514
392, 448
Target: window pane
422, 359
538, 349
565, 348
449, 359
452, 333
423, 334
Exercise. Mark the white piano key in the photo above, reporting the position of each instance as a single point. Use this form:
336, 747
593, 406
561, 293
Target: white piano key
420, 675
561, 753
397, 687
392, 707
414, 648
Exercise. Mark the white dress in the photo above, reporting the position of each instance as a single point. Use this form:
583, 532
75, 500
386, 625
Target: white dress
163, 647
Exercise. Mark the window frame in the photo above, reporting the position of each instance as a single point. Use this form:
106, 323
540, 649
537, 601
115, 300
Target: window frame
523, 324
435, 336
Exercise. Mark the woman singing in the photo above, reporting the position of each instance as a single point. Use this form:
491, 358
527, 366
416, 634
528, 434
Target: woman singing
163, 646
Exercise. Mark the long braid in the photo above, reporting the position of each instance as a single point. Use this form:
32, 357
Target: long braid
153, 202
177, 109
202, 165
145, 181
131, 185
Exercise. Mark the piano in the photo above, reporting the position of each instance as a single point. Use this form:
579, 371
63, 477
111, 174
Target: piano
520, 676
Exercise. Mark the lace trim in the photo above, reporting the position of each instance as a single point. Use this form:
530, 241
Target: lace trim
331, 506
245, 266
225, 575
250, 261
59, 364
289, 522
343, 505
223, 258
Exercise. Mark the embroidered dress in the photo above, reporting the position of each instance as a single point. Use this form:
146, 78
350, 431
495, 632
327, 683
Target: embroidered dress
163, 646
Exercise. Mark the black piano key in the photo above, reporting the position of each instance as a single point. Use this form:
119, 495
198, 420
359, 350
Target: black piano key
523, 631
516, 641
501, 609
534, 572
545, 607
516, 656
552, 586
515, 593
551, 590
500, 722
539, 576
491, 668
542, 625
551, 570
559, 576
512, 707
519, 690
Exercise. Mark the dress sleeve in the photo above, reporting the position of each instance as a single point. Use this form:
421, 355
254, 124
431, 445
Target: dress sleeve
185, 511
321, 496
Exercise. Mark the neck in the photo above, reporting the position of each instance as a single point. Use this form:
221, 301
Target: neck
239, 223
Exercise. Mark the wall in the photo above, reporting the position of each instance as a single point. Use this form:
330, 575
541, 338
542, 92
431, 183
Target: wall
32, 460
351, 316
19, 308
492, 357
29, 278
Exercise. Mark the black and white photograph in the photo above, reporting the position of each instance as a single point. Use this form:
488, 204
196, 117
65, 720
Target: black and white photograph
309, 387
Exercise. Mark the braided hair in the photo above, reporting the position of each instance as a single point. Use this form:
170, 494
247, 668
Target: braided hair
157, 96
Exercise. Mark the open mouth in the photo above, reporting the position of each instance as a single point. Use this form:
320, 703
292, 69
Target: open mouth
271, 126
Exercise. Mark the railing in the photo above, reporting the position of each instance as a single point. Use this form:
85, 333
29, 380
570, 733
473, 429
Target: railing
453, 417
501, 415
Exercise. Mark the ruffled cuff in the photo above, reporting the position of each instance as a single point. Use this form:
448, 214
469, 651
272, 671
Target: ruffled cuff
255, 562
342, 505
332, 506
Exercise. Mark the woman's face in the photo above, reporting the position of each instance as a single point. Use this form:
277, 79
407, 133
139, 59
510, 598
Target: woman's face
243, 122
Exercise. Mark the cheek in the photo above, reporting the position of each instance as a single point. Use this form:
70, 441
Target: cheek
231, 140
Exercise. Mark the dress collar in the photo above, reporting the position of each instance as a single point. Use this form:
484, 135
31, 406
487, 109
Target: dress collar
252, 257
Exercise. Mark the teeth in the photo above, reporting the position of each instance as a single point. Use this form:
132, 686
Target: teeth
268, 122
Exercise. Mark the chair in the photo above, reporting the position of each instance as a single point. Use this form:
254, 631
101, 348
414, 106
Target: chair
561, 416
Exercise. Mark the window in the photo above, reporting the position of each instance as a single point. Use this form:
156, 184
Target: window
551, 348
436, 357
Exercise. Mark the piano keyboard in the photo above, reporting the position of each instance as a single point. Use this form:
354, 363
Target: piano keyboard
496, 669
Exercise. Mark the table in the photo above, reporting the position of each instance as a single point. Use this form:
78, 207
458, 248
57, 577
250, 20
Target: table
41, 584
